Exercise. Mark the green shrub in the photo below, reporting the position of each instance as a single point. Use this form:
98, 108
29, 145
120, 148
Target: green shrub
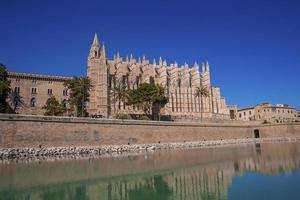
122, 116
144, 117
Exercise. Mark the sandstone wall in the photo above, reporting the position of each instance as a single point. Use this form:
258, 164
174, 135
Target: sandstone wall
32, 131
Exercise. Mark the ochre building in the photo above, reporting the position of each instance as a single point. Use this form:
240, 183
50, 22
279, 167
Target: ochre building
180, 83
266, 112
36, 89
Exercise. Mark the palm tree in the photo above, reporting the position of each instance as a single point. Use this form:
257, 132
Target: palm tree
15, 100
4, 87
79, 95
160, 100
201, 92
120, 92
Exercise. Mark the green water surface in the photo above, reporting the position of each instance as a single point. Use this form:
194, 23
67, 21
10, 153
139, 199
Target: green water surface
256, 171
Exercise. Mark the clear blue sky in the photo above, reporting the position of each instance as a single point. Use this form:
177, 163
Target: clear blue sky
253, 46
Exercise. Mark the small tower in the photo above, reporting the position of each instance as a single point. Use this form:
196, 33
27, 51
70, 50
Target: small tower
97, 72
94, 51
154, 62
205, 75
103, 53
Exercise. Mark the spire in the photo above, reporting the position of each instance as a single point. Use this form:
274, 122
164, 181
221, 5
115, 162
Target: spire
196, 65
207, 66
160, 61
186, 65
131, 59
144, 60
127, 59
154, 62
165, 63
95, 48
203, 67
96, 41
176, 64
103, 52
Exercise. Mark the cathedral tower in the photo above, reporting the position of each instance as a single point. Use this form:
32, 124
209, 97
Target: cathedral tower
97, 72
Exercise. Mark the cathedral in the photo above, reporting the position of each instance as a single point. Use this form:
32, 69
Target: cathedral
180, 83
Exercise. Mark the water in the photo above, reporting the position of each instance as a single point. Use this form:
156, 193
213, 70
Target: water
261, 171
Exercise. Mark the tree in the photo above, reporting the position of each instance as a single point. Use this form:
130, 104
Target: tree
79, 95
15, 100
53, 107
147, 96
160, 100
201, 92
4, 87
120, 93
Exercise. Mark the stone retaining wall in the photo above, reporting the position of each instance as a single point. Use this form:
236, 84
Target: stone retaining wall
35, 131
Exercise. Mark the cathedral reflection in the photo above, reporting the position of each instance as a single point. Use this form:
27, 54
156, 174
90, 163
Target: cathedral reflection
198, 180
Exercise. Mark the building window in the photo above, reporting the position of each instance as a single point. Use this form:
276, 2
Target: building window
33, 102
65, 92
49, 91
33, 90
110, 80
179, 82
137, 81
240, 115
17, 80
249, 112
17, 89
152, 80
50, 82
65, 103
124, 80
34, 81
244, 113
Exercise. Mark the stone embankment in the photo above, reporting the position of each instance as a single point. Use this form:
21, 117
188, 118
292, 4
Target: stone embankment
117, 150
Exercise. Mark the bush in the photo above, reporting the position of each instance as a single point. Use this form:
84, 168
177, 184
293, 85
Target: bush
122, 116
144, 117
166, 118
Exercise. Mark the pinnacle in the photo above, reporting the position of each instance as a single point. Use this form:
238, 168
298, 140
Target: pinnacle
95, 41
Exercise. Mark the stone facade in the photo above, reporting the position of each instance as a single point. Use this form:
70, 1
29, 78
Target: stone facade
36, 89
24, 131
267, 112
180, 83
233, 111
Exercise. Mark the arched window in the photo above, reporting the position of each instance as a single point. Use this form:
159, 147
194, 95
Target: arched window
65, 92
65, 103
33, 102
152, 80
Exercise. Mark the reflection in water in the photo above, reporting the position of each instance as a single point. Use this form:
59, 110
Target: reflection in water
189, 174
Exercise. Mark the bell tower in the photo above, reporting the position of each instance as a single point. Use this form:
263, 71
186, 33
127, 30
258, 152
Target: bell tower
97, 72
